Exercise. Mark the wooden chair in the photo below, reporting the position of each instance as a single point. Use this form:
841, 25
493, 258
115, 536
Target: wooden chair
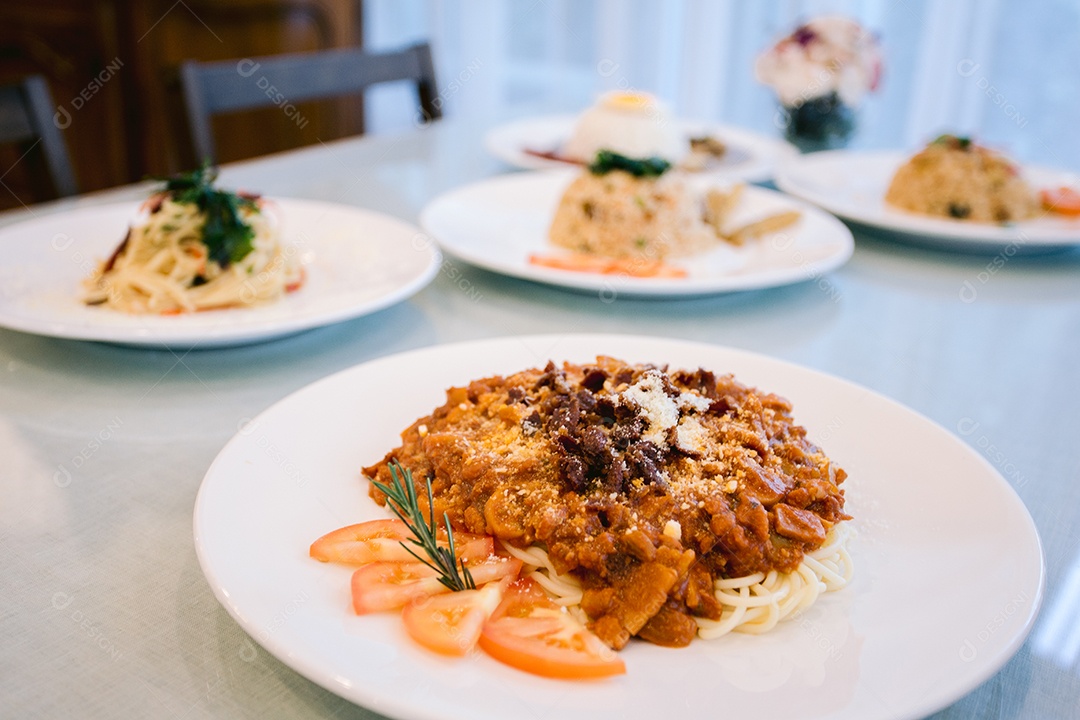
26, 118
214, 88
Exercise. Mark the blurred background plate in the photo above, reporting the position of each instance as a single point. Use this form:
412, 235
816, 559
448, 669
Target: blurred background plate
750, 156
357, 262
852, 185
497, 224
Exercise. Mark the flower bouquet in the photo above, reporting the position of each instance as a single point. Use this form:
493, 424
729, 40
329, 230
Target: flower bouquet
820, 73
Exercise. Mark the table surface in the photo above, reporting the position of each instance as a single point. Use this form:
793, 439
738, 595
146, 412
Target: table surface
104, 611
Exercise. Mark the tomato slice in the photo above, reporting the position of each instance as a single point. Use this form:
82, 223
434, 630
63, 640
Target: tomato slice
450, 624
529, 632
493, 568
388, 585
380, 541
521, 597
372, 541
298, 283
1063, 200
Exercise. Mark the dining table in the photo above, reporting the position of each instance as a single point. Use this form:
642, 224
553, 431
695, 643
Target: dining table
105, 611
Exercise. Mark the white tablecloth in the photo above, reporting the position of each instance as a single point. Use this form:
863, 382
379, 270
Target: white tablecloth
104, 611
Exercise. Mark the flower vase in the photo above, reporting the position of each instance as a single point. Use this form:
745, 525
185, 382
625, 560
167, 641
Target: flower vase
821, 123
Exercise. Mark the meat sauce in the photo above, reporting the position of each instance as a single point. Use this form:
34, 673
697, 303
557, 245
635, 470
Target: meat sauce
647, 485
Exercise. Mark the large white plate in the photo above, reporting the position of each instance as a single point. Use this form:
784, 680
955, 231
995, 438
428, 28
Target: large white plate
357, 262
496, 224
852, 185
750, 156
949, 569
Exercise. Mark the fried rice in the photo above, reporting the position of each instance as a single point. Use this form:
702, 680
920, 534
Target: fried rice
619, 215
956, 178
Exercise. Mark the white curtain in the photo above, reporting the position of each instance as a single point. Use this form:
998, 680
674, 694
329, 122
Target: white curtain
1005, 71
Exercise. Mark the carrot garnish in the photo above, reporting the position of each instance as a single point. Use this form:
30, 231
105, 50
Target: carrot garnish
630, 267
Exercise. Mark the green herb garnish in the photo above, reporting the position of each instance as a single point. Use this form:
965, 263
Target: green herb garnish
402, 500
227, 237
959, 142
607, 161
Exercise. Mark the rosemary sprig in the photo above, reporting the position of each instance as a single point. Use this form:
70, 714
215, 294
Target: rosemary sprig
402, 500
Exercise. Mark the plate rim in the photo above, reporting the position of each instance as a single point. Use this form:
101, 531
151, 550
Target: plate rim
939, 232
231, 335
644, 288
398, 708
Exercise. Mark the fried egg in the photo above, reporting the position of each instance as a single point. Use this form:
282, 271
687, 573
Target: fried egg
634, 124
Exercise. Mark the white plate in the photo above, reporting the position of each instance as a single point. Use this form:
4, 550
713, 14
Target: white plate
357, 262
852, 185
496, 224
750, 156
948, 565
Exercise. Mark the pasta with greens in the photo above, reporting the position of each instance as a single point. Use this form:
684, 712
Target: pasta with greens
197, 248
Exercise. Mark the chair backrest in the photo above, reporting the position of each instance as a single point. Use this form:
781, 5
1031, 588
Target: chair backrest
232, 85
26, 117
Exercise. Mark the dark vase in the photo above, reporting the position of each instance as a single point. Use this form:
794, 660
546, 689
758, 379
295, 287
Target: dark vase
822, 123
